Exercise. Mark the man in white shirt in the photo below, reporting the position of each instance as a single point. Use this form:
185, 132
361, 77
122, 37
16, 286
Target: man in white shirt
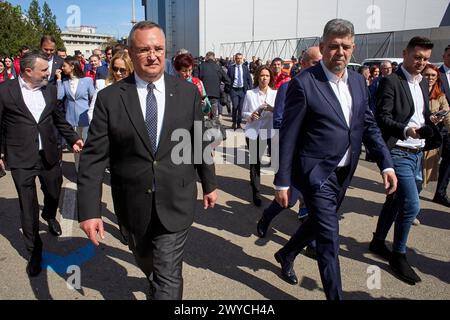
403, 115
29, 119
326, 117
48, 46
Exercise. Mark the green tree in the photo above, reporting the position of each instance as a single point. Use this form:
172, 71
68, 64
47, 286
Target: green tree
50, 26
14, 30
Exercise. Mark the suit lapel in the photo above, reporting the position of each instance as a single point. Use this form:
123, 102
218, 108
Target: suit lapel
16, 93
445, 83
405, 86
327, 92
356, 95
48, 106
169, 113
132, 104
426, 99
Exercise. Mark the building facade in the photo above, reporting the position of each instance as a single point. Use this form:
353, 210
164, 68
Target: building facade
84, 39
262, 27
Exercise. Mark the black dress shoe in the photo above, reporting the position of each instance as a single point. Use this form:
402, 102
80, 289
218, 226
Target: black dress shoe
379, 248
233, 126
444, 200
257, 199
34, 264
54, 227
261, 227
287, 269
402, 269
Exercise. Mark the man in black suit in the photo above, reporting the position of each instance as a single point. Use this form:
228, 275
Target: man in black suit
241, 81
444, 168
48, 45
154, 193
29, 119
403, 115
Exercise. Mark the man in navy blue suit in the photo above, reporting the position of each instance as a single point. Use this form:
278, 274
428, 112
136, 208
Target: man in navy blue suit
325, 120
444, 169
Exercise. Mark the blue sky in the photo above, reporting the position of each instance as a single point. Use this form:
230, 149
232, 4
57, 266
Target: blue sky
110, 17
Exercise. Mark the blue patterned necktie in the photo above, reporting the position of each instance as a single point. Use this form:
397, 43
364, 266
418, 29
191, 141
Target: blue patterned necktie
151, 116
239, 76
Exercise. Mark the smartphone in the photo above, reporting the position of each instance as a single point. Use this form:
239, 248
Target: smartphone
441, 113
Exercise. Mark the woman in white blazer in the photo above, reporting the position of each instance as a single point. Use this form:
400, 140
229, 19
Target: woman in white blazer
76, 91
258, 111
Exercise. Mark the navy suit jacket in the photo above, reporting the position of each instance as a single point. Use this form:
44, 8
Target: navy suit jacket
246, 78
279, 105
58, 63
445, 84
314, 135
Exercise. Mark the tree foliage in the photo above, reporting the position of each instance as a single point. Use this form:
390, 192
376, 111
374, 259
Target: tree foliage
18, 29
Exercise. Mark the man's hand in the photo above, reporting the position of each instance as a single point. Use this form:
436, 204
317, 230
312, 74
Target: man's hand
390, 182
209, 200
282, 197
78, 146
91, 227
2, 164
411, 132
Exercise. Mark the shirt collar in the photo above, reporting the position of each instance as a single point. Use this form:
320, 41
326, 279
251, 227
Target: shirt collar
410, 78
25, 85
140, 83
333, 77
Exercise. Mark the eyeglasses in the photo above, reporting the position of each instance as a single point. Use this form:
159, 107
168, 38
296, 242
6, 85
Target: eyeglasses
145, 52
122, 70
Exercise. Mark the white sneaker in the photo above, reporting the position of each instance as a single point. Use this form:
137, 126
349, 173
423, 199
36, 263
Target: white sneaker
416, 222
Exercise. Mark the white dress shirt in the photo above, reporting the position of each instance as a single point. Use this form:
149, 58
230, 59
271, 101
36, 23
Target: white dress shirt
254, 99
74, 85
417, 120
160, 94
239, 73
342, 92
50, 67
35, 102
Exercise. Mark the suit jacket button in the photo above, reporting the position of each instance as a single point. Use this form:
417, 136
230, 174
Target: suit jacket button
155, 163
149, 191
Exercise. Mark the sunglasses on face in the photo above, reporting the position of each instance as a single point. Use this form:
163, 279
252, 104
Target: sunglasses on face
122, 70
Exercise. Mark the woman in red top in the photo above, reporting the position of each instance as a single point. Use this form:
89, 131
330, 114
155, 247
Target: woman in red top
2, 71
9, 69
183, 64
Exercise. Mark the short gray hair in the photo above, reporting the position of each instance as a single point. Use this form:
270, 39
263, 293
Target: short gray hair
29, 59
143, 25
385, 64
338, 27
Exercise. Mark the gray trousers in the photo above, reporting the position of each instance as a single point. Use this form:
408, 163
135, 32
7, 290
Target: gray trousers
160, 256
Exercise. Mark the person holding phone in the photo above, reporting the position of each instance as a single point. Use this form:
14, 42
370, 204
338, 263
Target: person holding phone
258, 111
439, 115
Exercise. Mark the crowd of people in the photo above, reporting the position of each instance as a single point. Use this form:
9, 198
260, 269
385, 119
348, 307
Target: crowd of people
116, 112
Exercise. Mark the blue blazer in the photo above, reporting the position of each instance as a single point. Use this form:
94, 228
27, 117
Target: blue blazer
314, 135
445, 84
279, 105
77, 106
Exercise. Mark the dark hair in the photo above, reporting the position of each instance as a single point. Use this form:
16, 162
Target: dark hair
183, 60
77, 71
47, 38
436, 91
362, 68
29, 59
61, 49
108, 48
420, 42
447, 48
118, 47
258, 73
22, 48
338, 27
276, 60
373, 68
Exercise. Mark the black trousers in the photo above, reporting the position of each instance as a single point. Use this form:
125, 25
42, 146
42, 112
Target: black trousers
160, 256
256, 151
444, 167
50, 178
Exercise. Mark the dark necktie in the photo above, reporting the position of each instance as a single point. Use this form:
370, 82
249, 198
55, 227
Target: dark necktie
151, 116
